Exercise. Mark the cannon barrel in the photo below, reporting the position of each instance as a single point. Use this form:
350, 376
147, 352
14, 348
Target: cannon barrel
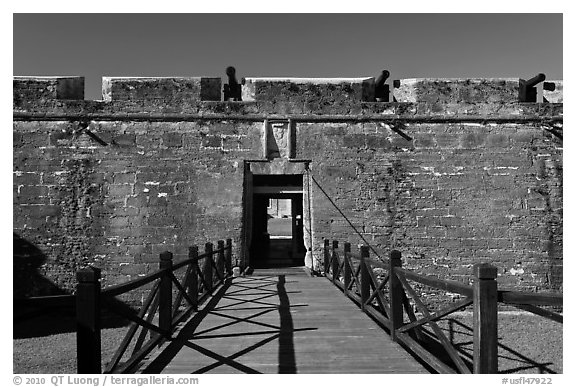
527, 92
233, 90
382, 90
535, 80
382, 78
231, 73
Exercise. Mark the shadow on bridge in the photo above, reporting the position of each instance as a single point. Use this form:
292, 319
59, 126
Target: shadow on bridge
226, 335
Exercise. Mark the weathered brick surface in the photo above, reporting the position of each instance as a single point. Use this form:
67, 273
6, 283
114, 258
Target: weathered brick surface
553, 91
161, 90
455, 196
480, 90
124, 203
41, 89
116, 190
295, 95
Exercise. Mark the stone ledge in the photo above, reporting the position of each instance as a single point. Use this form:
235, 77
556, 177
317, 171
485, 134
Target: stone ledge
253, 111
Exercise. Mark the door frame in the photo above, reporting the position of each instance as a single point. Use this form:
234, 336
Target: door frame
273, 167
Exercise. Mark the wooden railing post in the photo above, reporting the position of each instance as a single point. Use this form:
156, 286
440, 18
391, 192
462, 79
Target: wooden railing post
364, 276
193, 287
228, 260
485, 319
88, 342
396, 293
208, 276
220, 261
326, 256
334, 260
347, 272
165, 294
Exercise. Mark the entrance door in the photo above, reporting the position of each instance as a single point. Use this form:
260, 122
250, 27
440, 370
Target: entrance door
277, 221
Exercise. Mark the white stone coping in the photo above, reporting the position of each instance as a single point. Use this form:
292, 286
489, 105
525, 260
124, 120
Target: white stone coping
415, 80
125, 78
310, 80
46, 77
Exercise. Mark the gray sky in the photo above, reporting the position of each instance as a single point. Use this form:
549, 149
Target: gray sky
297, 45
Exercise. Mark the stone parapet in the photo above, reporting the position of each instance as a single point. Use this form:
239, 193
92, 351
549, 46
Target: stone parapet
308, 94
161, 90
474, 90
280, 96
34, 89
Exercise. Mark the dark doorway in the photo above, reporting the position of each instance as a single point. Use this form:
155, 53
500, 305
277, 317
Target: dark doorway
277, 221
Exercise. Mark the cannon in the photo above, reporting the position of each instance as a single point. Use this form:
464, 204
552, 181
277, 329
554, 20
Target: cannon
232, 90
382, 91
527, 91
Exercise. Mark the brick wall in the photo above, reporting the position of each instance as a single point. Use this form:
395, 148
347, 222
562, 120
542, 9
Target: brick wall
152, 187
455, 195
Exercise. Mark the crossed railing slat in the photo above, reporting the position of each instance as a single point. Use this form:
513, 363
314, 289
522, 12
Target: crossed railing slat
160, 312
392, 300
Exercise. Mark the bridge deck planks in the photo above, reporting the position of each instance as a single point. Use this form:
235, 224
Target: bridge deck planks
271, 322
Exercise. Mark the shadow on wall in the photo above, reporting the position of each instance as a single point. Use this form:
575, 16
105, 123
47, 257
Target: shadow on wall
33, 321
28, 282
36, 320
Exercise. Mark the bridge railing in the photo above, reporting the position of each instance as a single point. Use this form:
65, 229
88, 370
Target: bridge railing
390, 295
174, 291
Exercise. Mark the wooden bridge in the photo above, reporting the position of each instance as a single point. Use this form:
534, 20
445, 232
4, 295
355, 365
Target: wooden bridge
280, 321
358, 315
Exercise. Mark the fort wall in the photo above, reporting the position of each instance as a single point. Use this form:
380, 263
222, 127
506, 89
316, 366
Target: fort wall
452, 172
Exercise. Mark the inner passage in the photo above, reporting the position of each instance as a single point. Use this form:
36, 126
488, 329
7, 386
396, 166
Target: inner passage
279, 230
280, 218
